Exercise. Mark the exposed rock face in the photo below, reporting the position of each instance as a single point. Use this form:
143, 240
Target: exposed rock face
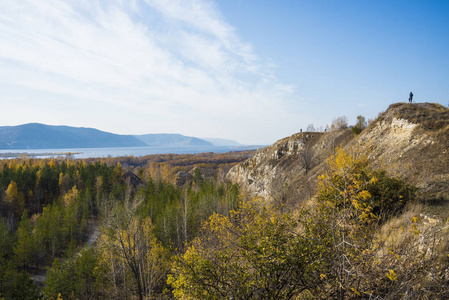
132, 179
183, 177
408, 140
286, 160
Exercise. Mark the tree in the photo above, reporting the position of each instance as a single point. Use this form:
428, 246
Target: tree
60, 279
24, 250
307, 157
15, 198
86, 272
5, 252
340, 123
130, 240
352, 202
280, 192
23, 288
255, 253
310, 128
50, 228
330, 250
76, 276
345, 218
360, 125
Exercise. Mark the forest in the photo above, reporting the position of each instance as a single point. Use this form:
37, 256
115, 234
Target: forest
208, 239
48, 208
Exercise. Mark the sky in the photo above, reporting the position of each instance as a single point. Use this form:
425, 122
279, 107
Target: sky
253, 71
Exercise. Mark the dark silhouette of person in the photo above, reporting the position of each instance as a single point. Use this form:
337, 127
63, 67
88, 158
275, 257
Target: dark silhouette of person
410, 97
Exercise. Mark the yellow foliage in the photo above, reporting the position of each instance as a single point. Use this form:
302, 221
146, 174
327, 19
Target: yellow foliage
355, 291
70, 196
133, 244
15, 198
392, 275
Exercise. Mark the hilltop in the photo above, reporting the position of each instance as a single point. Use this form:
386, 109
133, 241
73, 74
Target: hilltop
408, 140
41, 136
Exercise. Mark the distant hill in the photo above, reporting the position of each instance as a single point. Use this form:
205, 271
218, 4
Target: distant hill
222, 142
172, 140
41, 136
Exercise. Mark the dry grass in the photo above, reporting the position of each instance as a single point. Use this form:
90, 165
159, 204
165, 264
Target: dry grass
416, 247
431, 117
398, 229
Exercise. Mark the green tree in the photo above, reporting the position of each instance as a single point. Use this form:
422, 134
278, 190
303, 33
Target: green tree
60, 279
24, 250
86, 274
5, 253
50, 228
360, 125
23, 288
76, 276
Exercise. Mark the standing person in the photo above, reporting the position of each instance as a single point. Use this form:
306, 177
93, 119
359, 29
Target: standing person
410, 97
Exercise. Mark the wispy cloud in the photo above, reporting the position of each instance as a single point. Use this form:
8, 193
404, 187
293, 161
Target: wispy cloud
136, 67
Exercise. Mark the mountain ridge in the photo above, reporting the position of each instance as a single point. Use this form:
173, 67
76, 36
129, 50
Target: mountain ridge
42, 136
172, 140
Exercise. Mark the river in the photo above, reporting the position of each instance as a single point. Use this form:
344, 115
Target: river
116, 151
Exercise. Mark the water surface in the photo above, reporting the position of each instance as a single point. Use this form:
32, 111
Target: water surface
117, 151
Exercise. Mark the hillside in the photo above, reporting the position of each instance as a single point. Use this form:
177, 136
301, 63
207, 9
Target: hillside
408, 140
41, 136
172, 140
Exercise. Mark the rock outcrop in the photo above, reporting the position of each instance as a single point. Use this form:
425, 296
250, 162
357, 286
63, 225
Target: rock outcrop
288, 160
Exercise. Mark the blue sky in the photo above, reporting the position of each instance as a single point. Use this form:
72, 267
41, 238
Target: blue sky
252, 71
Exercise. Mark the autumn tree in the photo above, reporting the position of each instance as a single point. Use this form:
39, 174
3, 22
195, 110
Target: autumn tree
15, 198
255, 253
352, 202
340, 123
329, 250
130, 240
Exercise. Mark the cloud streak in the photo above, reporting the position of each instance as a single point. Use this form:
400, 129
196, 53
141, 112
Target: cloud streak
137, 67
